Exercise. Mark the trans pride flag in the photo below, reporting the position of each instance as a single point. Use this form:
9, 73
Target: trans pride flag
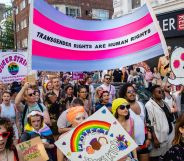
61, 43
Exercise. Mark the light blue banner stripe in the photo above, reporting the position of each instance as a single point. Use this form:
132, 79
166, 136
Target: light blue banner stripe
41, 63
50, 12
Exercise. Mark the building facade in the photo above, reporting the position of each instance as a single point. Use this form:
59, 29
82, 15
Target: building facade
83, 9
170, 14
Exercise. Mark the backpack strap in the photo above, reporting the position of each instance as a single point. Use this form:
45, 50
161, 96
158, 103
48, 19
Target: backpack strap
24, 115
40, 106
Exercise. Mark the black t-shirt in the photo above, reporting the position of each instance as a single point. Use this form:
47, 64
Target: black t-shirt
117, 74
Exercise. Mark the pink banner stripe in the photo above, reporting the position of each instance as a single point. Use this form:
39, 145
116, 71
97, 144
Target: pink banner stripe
44, 50
49, 25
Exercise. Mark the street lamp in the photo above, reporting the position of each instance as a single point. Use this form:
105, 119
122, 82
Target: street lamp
15, 26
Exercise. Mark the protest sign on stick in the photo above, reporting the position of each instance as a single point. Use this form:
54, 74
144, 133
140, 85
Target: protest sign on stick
99, 137
32, 150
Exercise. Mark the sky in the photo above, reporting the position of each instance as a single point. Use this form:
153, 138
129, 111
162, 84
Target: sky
7, 2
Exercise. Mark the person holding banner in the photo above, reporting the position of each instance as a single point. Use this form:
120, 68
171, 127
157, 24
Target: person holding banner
75, 116
7, 150
36, 127
120, 109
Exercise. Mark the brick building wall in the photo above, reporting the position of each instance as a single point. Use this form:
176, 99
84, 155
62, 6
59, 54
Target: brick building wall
85, 6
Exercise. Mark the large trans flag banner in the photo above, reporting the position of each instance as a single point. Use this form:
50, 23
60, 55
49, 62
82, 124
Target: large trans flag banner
61, 43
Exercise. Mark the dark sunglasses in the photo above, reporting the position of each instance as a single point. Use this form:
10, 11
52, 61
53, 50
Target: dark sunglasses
32, 94
108, 78
5, 134
122, 107
131, 91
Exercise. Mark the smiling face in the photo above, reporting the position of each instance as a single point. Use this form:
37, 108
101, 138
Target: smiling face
123, 110
105, 97
3, 140
130, 94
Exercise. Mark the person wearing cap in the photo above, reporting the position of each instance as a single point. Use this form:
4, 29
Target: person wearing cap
36, 127
120, 110
75, 116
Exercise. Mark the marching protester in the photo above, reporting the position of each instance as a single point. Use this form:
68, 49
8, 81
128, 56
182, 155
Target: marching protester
176, 152
120, 110
103, 101
137, 113
162, 123
36, 127
8, 110
107, 86
28, 95
75, 116
7, 149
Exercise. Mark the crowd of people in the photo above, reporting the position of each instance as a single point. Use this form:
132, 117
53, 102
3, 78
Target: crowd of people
53, 106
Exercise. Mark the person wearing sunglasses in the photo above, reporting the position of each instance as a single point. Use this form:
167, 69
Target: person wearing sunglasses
36, 127
107, 86
75, 115
7, 150
161, 121
27, 93
120, 109
141, 125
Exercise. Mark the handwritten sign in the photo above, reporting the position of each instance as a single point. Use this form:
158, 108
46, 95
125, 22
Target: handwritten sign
32, 150
99, 137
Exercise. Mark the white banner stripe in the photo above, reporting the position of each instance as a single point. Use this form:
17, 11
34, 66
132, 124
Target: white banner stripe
49, 38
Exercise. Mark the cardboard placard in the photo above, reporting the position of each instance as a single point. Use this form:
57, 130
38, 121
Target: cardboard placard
99, 137
32, 150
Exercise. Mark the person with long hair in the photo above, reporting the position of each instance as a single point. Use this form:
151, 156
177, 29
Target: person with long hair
7, 149
176, 152
120, 109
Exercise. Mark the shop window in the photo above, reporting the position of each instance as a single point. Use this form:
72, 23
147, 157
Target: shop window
73, 11
100, 14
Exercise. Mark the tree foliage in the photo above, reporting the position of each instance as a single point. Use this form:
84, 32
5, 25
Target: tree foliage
7, 34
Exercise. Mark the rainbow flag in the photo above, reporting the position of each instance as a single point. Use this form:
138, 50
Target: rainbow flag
61, 43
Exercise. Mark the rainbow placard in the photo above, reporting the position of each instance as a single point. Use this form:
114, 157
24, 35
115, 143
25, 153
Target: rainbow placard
99, 137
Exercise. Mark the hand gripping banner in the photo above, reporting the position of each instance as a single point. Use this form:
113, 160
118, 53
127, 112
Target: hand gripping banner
61, 43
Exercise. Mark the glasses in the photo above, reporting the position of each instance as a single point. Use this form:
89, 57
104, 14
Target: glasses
122, 107
5, 134
108, 78
83, 92
31, 94
131, 92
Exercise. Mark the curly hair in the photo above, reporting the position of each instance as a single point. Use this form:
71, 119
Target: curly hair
123, 90
9, 127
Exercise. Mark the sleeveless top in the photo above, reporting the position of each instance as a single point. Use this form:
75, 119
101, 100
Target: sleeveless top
8, 111
130, 132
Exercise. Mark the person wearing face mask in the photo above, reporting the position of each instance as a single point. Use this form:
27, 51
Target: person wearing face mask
176, 152
36, 127
75, 116
7, 150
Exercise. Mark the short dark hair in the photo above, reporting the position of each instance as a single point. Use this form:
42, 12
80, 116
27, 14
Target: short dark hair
29, 119
107, 75
80, 87
77, 101
9, 127
123, 89
152, 88
68, 86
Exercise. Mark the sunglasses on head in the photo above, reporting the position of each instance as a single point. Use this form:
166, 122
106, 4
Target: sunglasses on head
5, 134
122, 107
